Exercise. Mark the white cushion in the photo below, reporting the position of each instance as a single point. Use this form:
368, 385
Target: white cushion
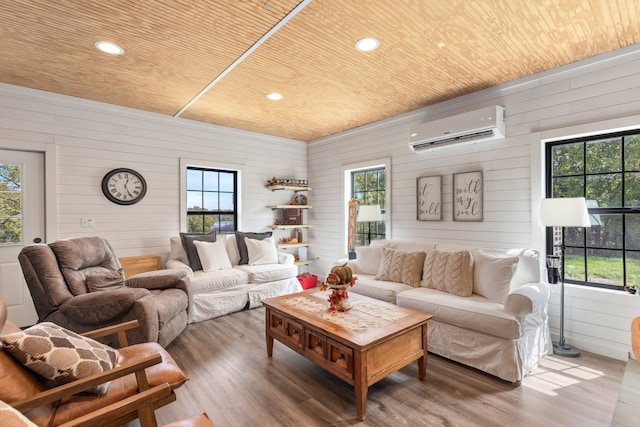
261, 251
368, 259
232, 249
474, 312
492, 275
203, 282
383, 290
264, 273
213, 255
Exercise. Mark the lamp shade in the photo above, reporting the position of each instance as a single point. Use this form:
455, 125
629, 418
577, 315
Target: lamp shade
369, 213
564, 212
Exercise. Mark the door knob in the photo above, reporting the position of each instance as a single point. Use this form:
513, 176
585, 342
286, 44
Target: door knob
37, 240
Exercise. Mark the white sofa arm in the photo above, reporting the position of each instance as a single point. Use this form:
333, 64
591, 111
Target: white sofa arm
285, 258
174, 263
532, 298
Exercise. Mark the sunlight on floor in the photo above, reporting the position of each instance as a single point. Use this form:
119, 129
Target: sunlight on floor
555, 373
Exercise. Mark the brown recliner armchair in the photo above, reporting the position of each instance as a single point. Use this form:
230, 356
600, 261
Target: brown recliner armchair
79, 284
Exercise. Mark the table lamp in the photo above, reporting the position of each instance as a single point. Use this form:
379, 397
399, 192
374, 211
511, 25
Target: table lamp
564, 212
369, 214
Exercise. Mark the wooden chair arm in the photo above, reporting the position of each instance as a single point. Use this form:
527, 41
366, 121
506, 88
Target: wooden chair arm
119, 329
67, 390
140, 404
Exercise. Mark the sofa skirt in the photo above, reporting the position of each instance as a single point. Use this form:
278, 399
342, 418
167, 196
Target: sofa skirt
503, 358
218, 302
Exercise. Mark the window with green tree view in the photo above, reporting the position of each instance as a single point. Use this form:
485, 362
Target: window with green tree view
368, 187
10, 204
604, 169
211, 200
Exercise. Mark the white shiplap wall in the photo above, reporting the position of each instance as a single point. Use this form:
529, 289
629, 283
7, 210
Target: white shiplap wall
92, 138
604, 89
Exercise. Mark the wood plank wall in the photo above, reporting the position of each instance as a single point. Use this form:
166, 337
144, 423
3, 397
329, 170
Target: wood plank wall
602, 88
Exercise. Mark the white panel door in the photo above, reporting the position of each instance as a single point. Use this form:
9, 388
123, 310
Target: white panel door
21, 223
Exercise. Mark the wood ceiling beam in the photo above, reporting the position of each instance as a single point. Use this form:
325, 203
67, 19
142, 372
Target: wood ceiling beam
246, 53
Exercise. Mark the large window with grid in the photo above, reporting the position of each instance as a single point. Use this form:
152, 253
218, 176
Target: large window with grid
211, 200
368, 187
605, 169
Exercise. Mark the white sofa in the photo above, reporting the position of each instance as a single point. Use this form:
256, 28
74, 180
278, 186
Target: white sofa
501, 327
233, 287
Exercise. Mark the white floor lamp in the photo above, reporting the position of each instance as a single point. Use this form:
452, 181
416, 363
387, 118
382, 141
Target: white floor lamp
369, 214
564, 212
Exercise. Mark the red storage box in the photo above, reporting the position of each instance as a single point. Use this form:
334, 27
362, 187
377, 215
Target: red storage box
308, 281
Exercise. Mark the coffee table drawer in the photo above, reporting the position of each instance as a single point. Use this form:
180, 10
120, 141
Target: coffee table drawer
293, 333
340, 360
276, 323
315, 346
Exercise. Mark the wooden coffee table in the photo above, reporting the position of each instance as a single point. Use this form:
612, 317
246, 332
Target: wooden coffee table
361, 346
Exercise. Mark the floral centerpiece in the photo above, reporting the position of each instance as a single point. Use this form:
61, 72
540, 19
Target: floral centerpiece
340, 278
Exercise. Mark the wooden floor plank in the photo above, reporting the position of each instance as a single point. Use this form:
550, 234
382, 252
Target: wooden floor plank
233, 380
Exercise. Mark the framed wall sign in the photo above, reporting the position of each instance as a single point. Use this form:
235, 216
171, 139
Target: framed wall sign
429, 198
468, 196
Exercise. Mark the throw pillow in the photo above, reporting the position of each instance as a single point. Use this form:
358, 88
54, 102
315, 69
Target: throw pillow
242, 246
368, 259
401, 266
261, 251
190, 249
492, 275
177, 250
111, 280
528, 270
59, 354
450, 272
213, 255
232, 249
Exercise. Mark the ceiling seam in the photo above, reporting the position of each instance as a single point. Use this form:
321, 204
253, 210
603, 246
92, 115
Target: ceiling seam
246, 53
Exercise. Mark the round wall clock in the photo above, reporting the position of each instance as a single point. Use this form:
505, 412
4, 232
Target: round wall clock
124, 186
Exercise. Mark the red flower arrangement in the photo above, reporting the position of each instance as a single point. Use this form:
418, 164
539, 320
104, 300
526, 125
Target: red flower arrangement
340, 278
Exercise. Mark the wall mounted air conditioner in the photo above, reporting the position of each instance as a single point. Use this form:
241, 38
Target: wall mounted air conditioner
485, 124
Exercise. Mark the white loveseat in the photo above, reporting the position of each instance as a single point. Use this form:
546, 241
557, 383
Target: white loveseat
229, 285
489, 306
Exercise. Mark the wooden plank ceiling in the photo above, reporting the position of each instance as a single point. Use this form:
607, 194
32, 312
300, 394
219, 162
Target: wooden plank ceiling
430, 51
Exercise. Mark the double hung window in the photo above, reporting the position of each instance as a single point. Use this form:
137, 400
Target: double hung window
211, 200
604, 169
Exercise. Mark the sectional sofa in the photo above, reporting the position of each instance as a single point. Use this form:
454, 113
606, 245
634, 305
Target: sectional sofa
227, 276
489, 306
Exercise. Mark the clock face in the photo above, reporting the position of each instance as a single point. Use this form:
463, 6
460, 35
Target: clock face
124, 186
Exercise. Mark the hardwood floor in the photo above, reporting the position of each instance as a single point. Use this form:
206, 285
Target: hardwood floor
233, 380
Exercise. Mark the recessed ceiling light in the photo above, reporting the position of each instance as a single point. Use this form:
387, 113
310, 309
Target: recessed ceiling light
111, 48
274, 96
367, 44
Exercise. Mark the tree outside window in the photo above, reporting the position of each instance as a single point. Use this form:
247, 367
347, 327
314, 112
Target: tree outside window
605, 170
211, 200
10, 204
